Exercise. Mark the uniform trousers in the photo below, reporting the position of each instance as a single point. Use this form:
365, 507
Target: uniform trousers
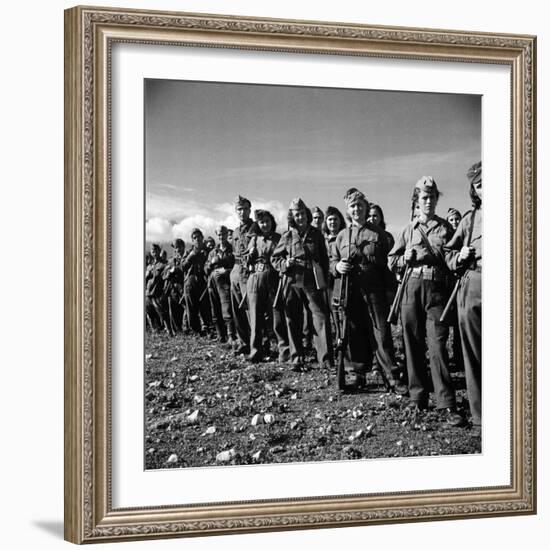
469, 321
379, 308
197, 310
219, 292
422, 306
296, 296
261, 289
156, 309
238, 278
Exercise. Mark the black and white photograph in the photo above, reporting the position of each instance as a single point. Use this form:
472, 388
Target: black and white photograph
313, 266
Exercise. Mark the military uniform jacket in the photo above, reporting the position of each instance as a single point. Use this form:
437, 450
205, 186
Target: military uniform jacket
261, 248
367, 251
460, 239
305, 250
437, 230
193, 263
154, 283
241, 238
219, 257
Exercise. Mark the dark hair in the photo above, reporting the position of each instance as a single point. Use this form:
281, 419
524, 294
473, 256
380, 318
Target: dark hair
476, 201
290, 217
258, 214
382, 224
333, 211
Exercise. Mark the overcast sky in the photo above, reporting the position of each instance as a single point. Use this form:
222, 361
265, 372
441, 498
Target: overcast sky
207, 142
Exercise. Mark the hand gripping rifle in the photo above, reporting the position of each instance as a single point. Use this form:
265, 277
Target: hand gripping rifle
452, 299
340, 302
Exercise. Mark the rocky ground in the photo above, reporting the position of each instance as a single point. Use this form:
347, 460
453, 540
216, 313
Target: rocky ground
204, 406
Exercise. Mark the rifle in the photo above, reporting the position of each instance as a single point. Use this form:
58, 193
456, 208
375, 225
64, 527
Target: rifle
284, 279
340, 302
393, 316
452, 298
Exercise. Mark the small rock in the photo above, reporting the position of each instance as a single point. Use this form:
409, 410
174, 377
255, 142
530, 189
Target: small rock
148, 356
194, 378
210, 430
151, 450
226, 456
173, 359
331, 398
193, 417
256, 419
257, 456
399, 443
252, 437
294, 396
277, 449
269, 418
198, 399
155, 384
172, 459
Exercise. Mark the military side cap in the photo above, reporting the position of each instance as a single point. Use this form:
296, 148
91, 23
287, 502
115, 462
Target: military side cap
453, 212
221, 229
355, 196
426, 183
474, 173
178, 243
196, 230
297, 204
155, 246
242, 201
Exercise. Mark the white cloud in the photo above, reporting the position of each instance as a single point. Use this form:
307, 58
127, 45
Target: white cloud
158, 230
207, 219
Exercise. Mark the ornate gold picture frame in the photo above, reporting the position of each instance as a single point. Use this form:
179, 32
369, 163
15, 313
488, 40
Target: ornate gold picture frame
90, 35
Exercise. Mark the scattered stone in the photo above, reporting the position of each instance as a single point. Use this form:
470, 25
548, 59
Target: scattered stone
193, 417
226, 456
198, 399
173, 359
277, 449
258, 455
256, 419
172, 459
148, 356
399, 443
269, 418
151, 450
252, 437
194, 378
294, 396
211, 430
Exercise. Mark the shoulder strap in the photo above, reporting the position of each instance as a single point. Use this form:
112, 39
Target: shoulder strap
435, 253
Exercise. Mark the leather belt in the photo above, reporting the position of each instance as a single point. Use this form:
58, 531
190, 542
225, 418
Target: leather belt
428, 273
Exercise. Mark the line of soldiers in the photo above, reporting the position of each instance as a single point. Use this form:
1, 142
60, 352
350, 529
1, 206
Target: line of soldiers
257, 285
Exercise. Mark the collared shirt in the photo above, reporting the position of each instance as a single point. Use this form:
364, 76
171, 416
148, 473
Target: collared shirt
220, 257
437, 230
241, 238
367, 250
261, 247
193, 262
368, 244
305, 249
460, 238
